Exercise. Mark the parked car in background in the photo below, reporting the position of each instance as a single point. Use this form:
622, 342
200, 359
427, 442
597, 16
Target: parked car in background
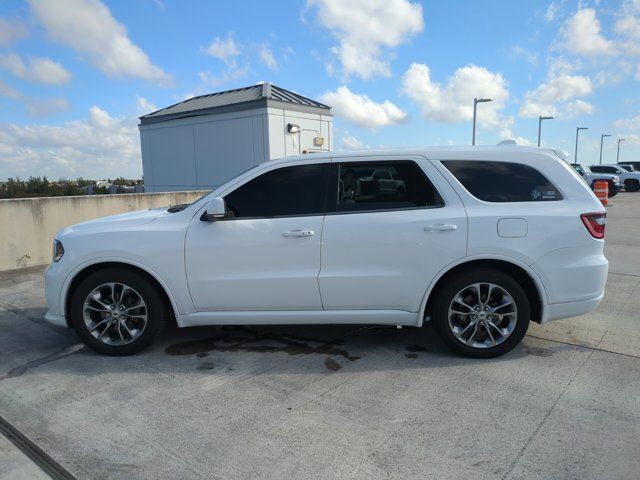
630, 180
612, 180
635, 165
483, 241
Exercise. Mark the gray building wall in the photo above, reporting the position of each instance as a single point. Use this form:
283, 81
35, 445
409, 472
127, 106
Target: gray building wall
203, 152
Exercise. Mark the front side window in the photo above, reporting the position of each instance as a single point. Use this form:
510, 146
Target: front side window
390, 185
598, 169
502, 181
287, 191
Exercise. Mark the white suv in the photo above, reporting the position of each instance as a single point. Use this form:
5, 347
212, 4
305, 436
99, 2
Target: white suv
480, 241
630, 180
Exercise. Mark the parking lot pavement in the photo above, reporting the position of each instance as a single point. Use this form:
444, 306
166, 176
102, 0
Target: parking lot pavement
332, 402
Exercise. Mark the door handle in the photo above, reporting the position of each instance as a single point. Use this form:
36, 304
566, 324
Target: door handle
440, 228
298, 233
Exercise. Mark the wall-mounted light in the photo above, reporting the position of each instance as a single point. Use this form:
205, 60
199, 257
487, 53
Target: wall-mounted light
293, 128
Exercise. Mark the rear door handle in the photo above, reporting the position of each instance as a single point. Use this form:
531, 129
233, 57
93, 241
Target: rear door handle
298, 233
440, 228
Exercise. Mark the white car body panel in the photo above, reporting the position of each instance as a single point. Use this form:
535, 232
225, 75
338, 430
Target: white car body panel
364, 267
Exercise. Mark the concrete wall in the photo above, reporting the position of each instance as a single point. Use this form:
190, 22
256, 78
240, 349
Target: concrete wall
28, 225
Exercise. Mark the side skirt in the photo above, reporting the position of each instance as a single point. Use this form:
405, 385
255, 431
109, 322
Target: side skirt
336, 317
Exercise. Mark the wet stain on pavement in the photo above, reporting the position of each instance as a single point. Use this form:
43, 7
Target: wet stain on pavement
206, 366
538, 351
411, 355
332, 365
235, 339
202, 354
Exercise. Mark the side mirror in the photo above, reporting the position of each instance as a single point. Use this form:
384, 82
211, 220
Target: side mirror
216, 210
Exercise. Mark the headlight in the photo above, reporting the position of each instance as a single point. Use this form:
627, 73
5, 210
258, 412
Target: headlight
58, 250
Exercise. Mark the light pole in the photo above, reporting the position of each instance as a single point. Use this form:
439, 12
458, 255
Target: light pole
601, 140
618, 154
540, 118
575, 157
476, 101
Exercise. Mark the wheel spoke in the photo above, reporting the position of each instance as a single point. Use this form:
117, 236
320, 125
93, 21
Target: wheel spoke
459, 300
104, 331
493, 340
99, 302
479, 293
458, 312
473, 334
106, 320
96, 309
506, 304
124, 324
120, 333
464, 330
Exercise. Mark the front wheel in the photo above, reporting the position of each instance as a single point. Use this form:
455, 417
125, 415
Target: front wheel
613, 191
481, 313
117, 311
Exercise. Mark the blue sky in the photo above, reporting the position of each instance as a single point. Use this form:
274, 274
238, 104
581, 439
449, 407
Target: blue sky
76, 74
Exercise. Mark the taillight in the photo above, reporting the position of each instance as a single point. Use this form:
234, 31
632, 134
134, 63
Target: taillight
595, 223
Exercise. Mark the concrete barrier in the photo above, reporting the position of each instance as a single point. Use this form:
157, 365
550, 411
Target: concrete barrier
28, 225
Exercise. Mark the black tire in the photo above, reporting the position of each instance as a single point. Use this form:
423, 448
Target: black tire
157, 309
445, 296
632, 185
613, 191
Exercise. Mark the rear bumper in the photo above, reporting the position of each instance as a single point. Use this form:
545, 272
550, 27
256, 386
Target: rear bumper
556, 311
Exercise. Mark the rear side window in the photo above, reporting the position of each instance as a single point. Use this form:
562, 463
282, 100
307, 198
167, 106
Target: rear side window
287, 191
387, 185
503, 181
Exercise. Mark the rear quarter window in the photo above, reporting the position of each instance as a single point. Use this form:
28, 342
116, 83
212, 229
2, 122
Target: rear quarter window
503, 181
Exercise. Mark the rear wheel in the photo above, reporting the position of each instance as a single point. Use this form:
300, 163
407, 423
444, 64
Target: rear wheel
481, 313
632, 185
613, 190
117, 311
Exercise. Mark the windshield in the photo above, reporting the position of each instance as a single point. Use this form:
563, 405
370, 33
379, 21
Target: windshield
628, 168
579, 169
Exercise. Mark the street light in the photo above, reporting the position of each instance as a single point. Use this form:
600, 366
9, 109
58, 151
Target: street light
618, 154
575, 157
540, 118
601, 140
476, 101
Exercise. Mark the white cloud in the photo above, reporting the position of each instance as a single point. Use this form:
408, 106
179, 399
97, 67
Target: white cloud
99, 146
225, 50
144, 106
9, 92
558, 97
366, 30
266, 57
38, 70
349, 142
228, 75
452, 101
88, 27
518, 52
361, 110
11, 31
507, 134
552, 12
581, 34
38, 108
628, 123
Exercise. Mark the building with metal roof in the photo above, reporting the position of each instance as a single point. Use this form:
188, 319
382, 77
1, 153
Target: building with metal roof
206, 140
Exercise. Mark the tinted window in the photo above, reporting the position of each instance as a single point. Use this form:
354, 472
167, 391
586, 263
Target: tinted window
297, 190
384, 186
502, 181
599, 169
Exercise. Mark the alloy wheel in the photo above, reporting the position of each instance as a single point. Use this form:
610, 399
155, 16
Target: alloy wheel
482, 315
115, 314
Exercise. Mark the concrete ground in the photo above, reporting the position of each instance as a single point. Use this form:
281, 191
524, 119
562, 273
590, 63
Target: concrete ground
331, 402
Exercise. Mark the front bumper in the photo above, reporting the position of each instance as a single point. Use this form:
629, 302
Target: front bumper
54, 277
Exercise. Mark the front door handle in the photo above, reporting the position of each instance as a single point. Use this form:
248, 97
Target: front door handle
298, 233
440, 228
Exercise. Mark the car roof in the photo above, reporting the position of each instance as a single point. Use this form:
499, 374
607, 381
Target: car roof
425, 151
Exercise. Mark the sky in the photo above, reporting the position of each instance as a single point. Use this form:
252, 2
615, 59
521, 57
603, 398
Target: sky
75, 75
